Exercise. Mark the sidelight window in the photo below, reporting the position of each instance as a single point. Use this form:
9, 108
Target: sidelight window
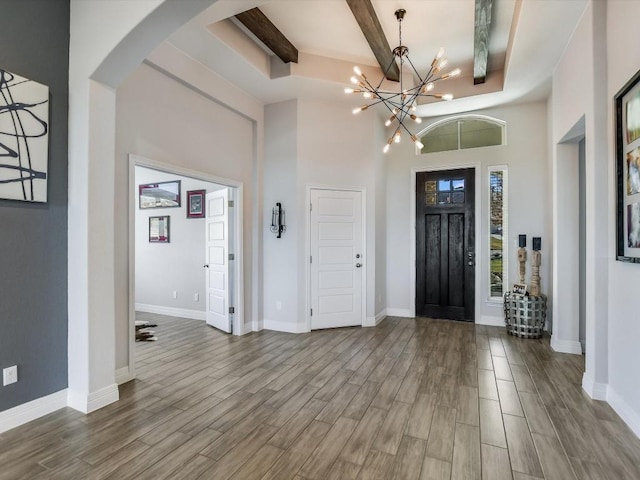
497, 232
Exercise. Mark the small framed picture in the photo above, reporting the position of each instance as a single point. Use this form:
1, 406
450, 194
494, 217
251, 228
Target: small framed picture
195, 203
159, 195
159, 229
519, 288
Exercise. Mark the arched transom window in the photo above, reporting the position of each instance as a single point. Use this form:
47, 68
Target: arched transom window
461, 132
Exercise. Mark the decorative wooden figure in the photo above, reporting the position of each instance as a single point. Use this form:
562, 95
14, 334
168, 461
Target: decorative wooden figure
536, 259
522, 256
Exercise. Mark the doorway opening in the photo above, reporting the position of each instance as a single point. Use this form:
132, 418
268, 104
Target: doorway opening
568, 320
185, 247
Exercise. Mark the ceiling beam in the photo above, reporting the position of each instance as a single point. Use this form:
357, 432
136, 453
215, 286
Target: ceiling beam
370, 25
268, 33
481, 40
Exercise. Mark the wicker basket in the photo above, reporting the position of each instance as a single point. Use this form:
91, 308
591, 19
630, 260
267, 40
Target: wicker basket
524, 315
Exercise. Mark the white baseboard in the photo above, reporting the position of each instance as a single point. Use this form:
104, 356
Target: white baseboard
248, 328
566, 346
373, 321
256, 326
123, 375
172, 312
597, 391
285, 326
16, 416
630, 416
490, 320
93, 401
398, 312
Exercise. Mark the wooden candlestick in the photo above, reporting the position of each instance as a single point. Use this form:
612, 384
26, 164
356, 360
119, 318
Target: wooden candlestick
536, 259
522, 259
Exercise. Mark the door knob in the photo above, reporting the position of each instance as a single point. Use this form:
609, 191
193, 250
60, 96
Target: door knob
205, 266
357, 255
358, 265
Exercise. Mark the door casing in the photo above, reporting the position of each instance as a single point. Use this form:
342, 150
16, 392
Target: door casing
365, 256
412, 231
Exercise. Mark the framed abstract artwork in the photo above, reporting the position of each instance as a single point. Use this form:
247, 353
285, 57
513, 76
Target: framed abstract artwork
24, 138
159, 229
627, 104
159, 195
196, 203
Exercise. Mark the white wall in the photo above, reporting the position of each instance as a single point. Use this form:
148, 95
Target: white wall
380, 175
337, 149
525, 156
624, 302
161, 119
315, 143
579, 100
280, 262
164, 268
102, 51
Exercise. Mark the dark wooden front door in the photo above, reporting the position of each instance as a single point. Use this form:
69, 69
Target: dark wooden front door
445, 239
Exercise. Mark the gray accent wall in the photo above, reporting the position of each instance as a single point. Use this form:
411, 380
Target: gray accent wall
34, 43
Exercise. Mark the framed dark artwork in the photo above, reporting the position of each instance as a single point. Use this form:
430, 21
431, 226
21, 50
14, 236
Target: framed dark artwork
159, 195
196, 203
159, 229
627, 103
24, 138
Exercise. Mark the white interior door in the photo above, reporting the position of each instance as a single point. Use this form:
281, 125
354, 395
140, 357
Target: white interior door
217, 260
336, 258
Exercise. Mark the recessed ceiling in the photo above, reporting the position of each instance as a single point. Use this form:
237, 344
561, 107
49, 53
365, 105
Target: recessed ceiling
527, 39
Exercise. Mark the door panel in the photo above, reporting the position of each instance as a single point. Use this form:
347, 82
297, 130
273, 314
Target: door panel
217, 258
445, 240
336, 251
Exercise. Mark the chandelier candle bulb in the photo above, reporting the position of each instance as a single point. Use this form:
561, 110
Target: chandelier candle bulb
396, 137
452, 73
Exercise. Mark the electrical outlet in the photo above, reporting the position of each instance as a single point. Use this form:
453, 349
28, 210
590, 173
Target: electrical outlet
10, 375
278, 305
196, 297
175, 294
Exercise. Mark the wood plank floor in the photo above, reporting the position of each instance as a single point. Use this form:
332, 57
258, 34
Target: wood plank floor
409, 399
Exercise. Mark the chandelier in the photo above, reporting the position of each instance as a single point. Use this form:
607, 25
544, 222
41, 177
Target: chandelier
402, 104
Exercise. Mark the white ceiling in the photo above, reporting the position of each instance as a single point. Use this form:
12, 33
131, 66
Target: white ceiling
527, 39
